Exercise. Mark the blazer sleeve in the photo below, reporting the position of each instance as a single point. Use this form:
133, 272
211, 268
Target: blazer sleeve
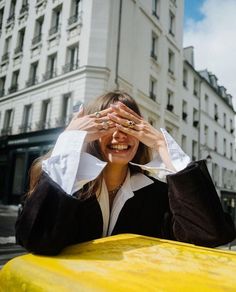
51, 219
198, 216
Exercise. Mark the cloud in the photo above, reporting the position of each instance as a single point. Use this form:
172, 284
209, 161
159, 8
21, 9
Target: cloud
214, 41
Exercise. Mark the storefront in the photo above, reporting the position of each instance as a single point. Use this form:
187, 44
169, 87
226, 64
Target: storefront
17, 152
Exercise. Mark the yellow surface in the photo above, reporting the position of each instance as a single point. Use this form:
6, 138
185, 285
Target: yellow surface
123, 263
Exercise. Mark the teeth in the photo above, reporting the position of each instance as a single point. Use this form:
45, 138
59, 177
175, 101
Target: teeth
119, 147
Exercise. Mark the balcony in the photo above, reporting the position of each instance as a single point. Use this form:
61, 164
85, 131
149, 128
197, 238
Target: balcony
13, 88
231, 131
36, 40
184, 116
42, 125
6, 131
31, 82
11, 19
154, 13
195, 92
63, 121
216, 117
153, 55
170, 107
70, 67
5, 57
24, 9
171, 72
152, 96
2, 92
184, 83
171, 32
73, 19
53, 30
49, 75
25, 128
18, 50
195, 124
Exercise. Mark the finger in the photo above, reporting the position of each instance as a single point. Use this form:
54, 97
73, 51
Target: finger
125, 114
102, 113
126, 130
124, 122
122, 105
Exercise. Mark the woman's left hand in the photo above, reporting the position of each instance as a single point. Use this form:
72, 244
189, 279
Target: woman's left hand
131, 123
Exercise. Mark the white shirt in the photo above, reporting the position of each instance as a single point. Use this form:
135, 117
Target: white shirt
71, 168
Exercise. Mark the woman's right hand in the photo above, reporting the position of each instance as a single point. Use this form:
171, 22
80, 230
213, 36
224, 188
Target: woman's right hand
96, 125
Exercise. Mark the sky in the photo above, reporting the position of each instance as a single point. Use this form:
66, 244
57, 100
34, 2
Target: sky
210, 27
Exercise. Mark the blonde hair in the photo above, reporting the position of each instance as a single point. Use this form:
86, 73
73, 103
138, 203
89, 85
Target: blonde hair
102, 102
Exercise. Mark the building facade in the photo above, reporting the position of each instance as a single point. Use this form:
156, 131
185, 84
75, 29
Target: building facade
208, 128
56, 53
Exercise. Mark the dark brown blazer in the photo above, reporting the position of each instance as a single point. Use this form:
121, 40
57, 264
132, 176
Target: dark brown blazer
186, 209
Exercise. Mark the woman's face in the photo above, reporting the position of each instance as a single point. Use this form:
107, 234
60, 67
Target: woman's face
118, 148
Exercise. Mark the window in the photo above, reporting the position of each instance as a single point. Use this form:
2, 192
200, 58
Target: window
7, 48
195, 87
185, 77
206, 134
184, 143
56, 20
20, 41
45, 121
38, 31
66, 112
171, 23
27, 117
156, 8
154, 46
170, 101
2, 86
194, 150
51, 67
24, 6
1, 18
231, 150
153, 88
184, 110
216, 116
224, 117
171, 62
231, 126
224, 177
8, 121
215, 140
75, 11
33, 75
225, 149
206, 103
72, 59
12, 11
14, 82
215, 173
195, 118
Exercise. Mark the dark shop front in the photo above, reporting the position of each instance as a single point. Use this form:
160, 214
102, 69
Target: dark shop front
17, 152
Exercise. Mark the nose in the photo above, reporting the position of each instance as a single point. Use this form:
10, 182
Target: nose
119, 135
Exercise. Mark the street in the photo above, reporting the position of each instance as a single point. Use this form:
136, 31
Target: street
8, 248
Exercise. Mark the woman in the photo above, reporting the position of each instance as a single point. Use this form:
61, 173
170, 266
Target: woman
95, 183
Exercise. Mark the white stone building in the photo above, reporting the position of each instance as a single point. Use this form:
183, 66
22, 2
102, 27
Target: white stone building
54, 53
208, 127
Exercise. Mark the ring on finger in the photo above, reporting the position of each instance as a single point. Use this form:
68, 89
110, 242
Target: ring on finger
105, 125
130, 124
97, 114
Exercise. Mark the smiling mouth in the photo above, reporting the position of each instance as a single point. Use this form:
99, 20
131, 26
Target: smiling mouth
119, 147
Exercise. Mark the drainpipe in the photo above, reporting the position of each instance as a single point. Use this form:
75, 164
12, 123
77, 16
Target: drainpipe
118, 46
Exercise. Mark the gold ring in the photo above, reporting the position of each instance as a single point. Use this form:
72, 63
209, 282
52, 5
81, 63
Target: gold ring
97, 115
130, 124
105, 125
